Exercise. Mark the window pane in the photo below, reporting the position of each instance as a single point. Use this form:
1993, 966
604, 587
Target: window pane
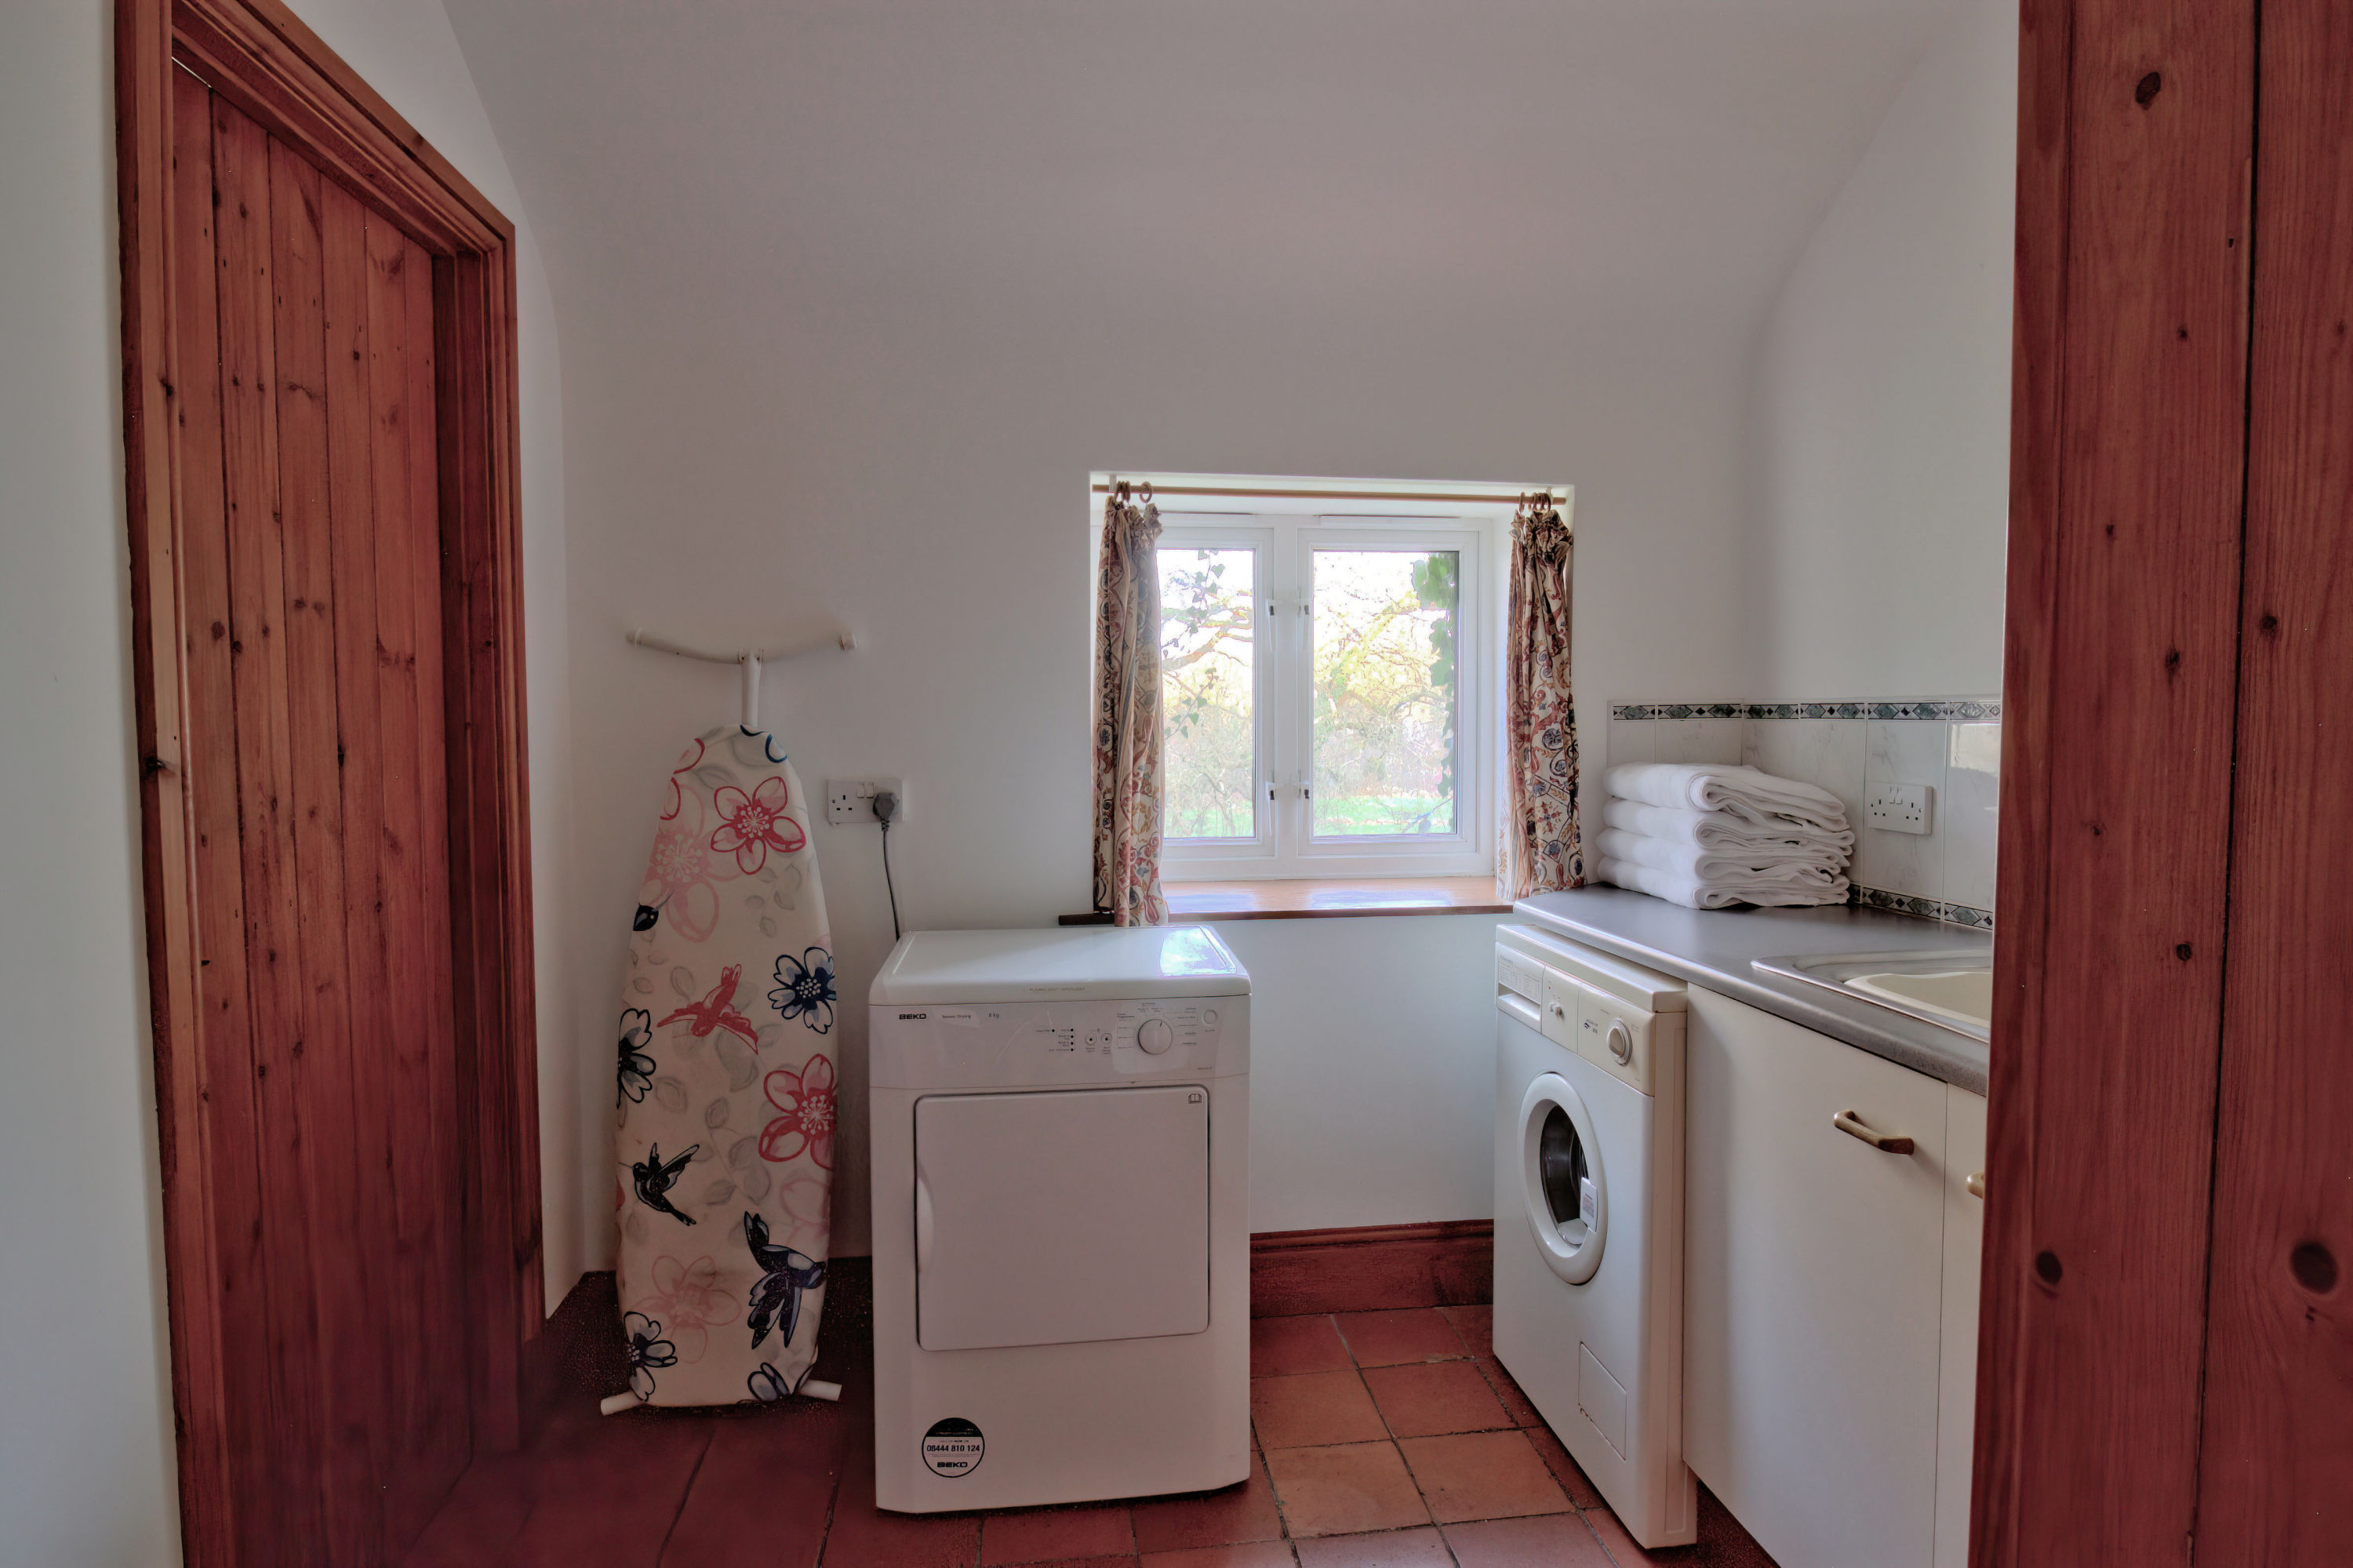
1208, 600
1385, 695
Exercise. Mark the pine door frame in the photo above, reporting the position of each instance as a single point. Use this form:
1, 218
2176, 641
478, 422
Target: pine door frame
258, 55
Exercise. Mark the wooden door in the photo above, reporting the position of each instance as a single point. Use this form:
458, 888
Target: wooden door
2276, 1463
312, 602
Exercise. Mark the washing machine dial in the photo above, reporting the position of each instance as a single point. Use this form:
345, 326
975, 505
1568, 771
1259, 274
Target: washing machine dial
1154, 1036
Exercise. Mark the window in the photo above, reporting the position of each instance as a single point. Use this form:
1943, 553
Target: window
1325, 692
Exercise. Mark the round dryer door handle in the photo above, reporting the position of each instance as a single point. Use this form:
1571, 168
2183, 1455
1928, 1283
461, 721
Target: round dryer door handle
925, 1224
1853, 1126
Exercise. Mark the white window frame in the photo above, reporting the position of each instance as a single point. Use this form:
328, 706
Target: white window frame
1285, 534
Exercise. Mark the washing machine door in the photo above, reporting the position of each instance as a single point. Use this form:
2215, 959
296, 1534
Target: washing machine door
1561, 1175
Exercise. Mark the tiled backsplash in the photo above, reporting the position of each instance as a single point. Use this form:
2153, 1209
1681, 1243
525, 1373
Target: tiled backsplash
1953, 745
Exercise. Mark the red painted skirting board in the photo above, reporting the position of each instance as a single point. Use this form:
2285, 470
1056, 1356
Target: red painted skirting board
1440, 1263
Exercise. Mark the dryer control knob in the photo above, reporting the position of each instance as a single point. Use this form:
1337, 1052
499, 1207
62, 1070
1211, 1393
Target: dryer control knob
1152, 1036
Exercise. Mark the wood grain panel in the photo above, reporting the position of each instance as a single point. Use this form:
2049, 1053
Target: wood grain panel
355, 1442
328, 1313
264, 798
220, 1301
2126, 554
2276, 1469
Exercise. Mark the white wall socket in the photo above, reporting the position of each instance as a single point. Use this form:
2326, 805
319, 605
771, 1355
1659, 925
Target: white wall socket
1899, 808
851, 800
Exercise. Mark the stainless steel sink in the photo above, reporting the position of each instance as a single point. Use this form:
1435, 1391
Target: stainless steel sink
1949, 987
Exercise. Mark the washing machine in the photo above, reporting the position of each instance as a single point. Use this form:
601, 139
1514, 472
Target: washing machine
1061, 1126
1588, 1216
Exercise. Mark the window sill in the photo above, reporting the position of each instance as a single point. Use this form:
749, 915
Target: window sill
1308, 898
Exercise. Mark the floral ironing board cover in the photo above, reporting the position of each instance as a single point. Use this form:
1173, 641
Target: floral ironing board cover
724, 1140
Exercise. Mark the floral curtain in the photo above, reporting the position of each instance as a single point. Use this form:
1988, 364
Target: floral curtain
1127, 714
1541, 851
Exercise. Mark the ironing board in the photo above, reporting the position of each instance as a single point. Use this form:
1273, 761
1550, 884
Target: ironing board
724, 1139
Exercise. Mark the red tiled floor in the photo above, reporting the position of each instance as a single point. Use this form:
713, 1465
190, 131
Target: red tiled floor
1047, 1535
1475, 1325
1564, 1468
1550, 1540
1482, 1475
1314, 1410
865, 1537
1515, 1403
1344, 1490
1400, 1335
1281, 1346
1234, 1516
1251, 1554
1424, 1399
684, 1489
1419, 1548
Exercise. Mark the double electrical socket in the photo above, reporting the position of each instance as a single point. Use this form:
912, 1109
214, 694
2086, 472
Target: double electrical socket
851, 800
1898, 808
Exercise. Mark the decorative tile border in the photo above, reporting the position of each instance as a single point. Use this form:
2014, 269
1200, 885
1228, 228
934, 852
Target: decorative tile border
1927, 908
1924, 708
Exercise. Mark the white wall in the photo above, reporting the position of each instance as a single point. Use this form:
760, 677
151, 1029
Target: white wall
86, 1466
921, 473
855, 298
1879, 434
85, 1458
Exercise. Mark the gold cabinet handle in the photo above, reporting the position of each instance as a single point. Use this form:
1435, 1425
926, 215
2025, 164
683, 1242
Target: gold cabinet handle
1976, 1183
1853, 1126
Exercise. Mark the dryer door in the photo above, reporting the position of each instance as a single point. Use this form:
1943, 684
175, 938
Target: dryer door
1051, 1218
1567, 1194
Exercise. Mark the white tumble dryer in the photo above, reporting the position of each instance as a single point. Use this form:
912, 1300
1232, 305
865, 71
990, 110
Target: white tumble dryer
1061, 1230
1589, 1216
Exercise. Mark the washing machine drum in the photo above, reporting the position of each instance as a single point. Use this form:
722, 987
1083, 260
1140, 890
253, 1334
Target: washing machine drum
1560, 1167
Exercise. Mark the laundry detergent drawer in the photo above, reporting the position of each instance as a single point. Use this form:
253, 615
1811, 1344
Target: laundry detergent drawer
1058, 1217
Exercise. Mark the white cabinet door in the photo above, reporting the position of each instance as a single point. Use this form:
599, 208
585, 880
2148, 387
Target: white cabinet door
1957, 1407
1050, 1219
1813, 1297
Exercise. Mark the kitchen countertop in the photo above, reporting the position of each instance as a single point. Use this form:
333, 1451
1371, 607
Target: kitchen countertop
1716, 948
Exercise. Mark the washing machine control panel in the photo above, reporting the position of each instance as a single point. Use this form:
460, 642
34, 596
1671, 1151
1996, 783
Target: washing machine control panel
936, 1045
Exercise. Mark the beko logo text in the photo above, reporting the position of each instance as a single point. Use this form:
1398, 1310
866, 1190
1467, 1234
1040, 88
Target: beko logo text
914, 1015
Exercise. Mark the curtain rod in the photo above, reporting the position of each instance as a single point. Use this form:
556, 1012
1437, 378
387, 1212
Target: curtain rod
1270, 494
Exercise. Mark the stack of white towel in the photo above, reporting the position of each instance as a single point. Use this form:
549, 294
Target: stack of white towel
1705, 835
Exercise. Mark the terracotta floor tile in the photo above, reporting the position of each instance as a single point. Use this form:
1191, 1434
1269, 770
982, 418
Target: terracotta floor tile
1237, 1514
1482, 1475
1424, 1399
1047, 1536
1314, 1410
1515, 1403
1565, 1467
1281, 1346
1403, 1334
1390, 1549
1622, 1549
1344, 1490
1248, 1554
1476, 1325
1550, 1540
864, 1537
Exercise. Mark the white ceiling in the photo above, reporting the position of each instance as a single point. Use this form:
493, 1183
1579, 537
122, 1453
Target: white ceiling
1638, 173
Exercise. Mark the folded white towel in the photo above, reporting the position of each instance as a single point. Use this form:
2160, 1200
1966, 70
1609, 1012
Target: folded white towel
1694, 894
1784, 864
1716, 829
1744, 792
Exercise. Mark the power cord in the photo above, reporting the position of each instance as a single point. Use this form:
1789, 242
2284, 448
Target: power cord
886, 805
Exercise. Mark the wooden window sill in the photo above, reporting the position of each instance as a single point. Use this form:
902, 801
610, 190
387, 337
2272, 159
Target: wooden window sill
1304, 898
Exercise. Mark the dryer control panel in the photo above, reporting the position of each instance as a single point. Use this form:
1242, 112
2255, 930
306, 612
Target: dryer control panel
934, 1045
